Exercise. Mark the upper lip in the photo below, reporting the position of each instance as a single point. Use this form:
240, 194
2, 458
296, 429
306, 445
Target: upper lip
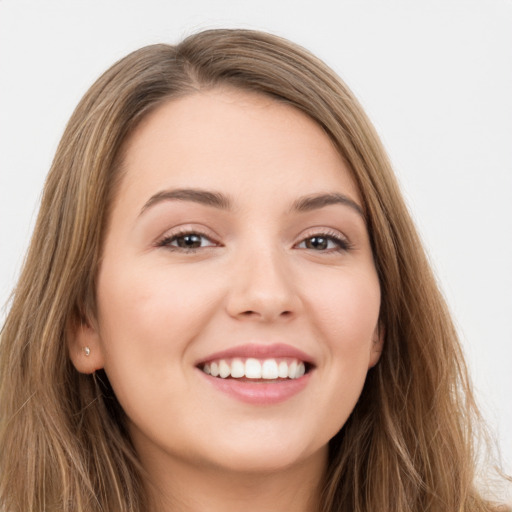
259, 351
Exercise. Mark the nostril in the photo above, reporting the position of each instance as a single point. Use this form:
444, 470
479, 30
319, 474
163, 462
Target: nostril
249, 313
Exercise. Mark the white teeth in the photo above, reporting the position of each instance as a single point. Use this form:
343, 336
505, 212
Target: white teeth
292, 370
282, 371
252, 369
237, 368
267, 369
224, 369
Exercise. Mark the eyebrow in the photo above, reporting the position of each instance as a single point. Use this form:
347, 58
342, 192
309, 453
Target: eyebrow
317, 201
214, 199
221, 201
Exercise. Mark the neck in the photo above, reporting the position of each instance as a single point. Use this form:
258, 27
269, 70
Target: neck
182, 487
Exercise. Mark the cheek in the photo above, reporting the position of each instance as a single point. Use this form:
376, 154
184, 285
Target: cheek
346, 309
346, 312
149, 304
148, 318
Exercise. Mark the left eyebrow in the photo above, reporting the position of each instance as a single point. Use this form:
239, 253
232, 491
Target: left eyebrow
213, 199
317, 201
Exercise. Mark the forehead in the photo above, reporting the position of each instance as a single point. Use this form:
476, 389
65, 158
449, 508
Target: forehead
238, 141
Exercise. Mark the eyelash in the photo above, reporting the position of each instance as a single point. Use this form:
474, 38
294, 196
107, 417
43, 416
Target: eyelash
343, 245
166, 241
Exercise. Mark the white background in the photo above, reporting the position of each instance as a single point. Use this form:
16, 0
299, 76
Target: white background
434, 76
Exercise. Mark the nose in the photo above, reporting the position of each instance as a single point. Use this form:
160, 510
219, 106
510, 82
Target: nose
263, 288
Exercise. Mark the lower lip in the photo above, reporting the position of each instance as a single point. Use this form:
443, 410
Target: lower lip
259, 393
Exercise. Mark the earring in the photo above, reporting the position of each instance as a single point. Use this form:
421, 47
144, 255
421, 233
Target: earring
87, 351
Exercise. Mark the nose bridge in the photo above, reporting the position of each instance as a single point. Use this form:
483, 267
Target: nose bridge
262, 285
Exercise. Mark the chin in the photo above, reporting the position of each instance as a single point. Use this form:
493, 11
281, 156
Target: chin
266, 456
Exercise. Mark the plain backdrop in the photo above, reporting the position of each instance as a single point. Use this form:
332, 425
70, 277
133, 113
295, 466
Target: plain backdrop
434, 76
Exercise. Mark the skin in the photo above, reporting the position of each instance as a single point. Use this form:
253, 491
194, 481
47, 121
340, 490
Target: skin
256, 277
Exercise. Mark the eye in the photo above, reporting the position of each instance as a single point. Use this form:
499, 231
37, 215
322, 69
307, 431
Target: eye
187, 241
324, 243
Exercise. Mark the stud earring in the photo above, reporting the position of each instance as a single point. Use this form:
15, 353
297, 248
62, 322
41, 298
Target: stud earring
87, 351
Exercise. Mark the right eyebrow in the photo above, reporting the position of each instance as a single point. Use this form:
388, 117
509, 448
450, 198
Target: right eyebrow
317, 201
208, 198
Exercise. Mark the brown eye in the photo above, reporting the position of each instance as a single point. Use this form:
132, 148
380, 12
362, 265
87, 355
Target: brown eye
325, 243
191, 241
319, 243
187, 241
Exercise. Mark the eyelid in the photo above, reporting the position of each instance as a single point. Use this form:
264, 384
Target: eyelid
342, 241
180, 231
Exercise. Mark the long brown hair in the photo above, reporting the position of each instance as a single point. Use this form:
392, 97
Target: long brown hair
408, 445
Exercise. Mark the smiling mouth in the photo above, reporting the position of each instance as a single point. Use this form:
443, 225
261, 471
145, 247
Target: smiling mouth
252, 369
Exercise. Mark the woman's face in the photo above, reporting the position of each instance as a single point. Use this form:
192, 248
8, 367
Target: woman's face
236, 245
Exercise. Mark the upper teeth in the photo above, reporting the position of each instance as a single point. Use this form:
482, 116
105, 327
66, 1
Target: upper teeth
255, 369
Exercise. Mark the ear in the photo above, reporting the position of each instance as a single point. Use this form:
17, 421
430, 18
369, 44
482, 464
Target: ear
377, 345
84, 346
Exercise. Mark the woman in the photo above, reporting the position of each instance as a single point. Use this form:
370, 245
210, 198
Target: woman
225, 304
